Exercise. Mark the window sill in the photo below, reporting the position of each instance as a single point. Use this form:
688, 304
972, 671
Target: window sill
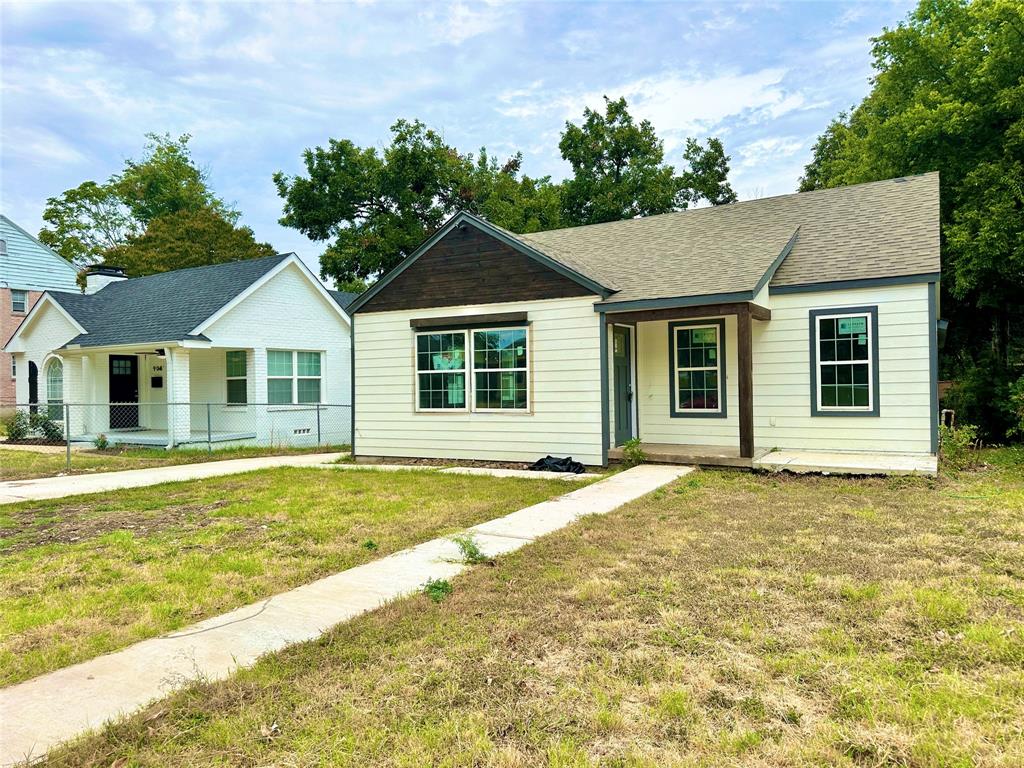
698, 415
294, 407
871, 412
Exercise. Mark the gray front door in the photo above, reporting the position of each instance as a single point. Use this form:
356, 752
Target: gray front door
622, 372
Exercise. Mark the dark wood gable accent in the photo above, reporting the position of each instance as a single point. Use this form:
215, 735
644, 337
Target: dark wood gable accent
468, 266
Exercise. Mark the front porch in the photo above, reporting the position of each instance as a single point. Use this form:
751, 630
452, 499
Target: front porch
698, 455
680, 379
799, 462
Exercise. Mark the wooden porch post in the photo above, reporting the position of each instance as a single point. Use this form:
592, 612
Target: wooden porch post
744, 342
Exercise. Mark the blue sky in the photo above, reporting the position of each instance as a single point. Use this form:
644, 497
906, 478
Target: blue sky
256, 83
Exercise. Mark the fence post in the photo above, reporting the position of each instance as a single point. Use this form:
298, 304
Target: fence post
209, 431
67, 434
318, 425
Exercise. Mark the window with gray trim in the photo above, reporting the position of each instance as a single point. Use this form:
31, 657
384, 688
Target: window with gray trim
697, 368
844, 361
19, 301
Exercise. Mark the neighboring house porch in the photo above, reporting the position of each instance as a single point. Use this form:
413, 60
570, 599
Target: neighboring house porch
181, 396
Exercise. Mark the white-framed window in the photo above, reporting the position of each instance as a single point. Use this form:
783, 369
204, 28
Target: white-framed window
236, 375
293, 376
844, 376
55, 388
501, 375
14, 367
441, 371
697, 352
19, 301
479, 369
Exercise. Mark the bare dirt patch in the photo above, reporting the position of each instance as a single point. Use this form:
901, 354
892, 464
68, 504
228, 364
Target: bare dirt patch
75, 525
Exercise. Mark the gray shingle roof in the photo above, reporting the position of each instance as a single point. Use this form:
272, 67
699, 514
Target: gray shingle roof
343, 298
880, 229
163, 307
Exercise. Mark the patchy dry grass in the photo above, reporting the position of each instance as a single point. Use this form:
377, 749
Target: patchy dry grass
88, 574
18, 464
729, 619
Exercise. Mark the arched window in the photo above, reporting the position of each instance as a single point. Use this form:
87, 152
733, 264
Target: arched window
55, 386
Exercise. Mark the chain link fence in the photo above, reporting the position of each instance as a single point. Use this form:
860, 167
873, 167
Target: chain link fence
195, 426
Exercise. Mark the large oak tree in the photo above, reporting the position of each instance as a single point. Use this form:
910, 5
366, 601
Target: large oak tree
948, 95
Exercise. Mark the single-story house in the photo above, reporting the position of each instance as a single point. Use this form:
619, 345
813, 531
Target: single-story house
247, 351
803, 322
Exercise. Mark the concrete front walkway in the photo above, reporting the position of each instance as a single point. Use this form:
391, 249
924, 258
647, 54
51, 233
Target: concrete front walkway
42, 712
13, 491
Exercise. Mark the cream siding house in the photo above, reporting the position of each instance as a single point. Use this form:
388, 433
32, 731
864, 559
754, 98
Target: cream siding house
254, 351
718, 335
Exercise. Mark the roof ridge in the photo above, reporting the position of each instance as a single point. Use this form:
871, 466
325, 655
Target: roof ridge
135, 280
727, 206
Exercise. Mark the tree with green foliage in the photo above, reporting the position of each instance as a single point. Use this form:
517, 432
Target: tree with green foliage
87, 222
947, 96
187, 239
619, 169
161, 201
377, 207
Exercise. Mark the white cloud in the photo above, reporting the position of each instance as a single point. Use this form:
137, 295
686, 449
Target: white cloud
455, 23
41, 146
678, 105
756, 153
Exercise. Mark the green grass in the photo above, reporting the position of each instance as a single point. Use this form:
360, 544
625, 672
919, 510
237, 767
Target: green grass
84, 575
729, 619
22, 464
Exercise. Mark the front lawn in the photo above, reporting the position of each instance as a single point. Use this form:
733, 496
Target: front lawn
87, 574
22, 464
730, 619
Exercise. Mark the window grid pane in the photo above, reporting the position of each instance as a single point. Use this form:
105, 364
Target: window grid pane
279, 391
237, 391
308, 363
309, 390
442, 390
697, 369
441, 352
279, 363
236, 365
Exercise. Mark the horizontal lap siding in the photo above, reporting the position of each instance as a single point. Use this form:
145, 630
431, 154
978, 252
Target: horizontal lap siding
565, 389
654, 393
782, 375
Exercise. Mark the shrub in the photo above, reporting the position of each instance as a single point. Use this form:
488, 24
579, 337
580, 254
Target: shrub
632, 453
17, 425
101, 442
50, 430
956, 446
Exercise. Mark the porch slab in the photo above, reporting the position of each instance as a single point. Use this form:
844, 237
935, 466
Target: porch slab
848, 463
678, 453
